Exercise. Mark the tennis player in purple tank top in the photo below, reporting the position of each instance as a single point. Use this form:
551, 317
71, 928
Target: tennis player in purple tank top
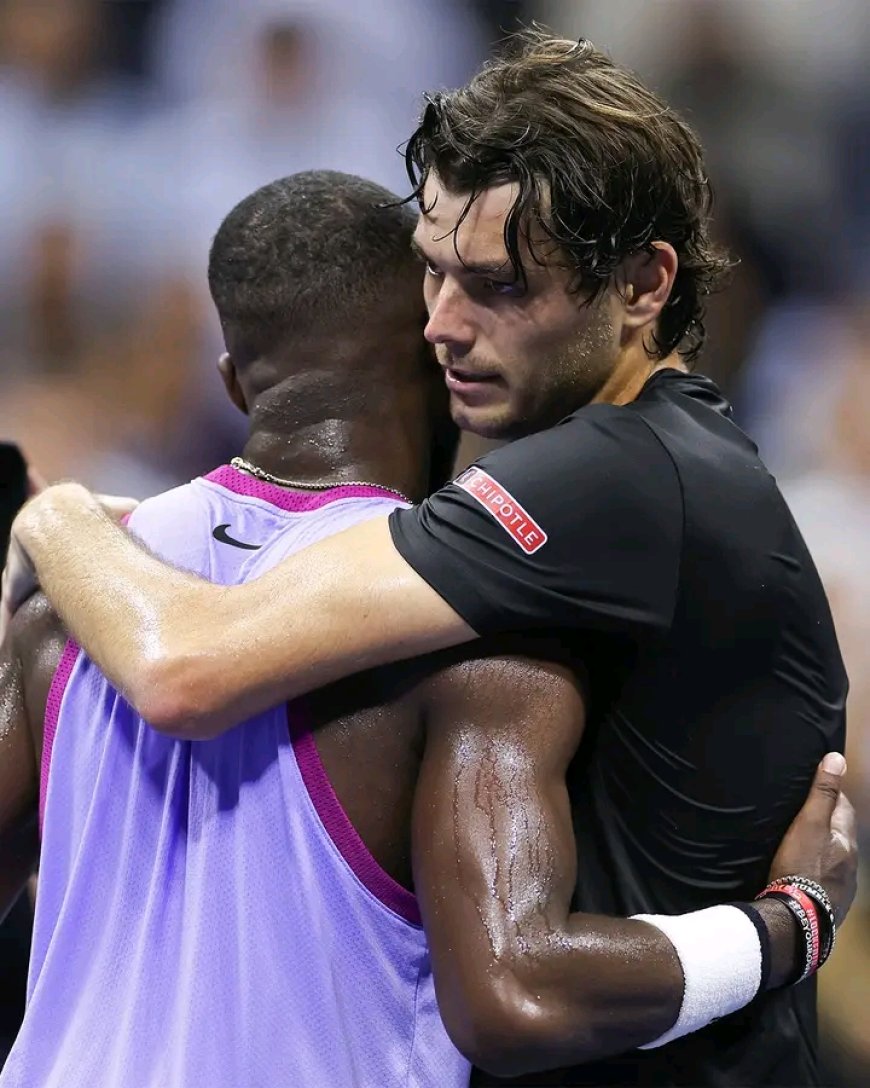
245, 934
239, 911
218, 913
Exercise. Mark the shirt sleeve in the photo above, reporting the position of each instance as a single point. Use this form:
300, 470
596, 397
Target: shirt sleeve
577, 527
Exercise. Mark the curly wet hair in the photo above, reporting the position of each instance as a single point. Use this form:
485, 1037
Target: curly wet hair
602, 165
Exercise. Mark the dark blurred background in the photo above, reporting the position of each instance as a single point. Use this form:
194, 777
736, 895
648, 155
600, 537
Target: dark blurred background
129, 128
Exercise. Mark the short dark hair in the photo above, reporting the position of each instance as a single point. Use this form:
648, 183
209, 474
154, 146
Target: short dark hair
309, 253
603, 165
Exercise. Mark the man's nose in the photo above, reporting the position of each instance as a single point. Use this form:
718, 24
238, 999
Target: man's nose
450, 320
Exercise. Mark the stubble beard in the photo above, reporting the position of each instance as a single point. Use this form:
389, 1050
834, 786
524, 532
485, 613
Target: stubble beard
575, 375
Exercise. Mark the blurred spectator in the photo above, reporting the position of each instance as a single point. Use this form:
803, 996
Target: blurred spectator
58, 118
259, 91
118, 188
831, 504
61, 117
384, 51
112, 414
770, 86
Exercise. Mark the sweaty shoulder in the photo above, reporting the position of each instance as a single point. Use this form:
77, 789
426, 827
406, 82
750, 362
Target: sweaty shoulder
579, 527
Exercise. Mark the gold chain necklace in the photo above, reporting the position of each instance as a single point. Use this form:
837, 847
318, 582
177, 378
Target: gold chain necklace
267, 477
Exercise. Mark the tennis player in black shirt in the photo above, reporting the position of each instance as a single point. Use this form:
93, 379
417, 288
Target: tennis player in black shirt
564, 229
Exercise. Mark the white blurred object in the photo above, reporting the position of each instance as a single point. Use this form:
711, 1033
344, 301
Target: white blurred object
389, 51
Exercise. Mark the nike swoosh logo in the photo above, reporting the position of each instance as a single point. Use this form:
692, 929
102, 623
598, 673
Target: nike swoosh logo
223, 537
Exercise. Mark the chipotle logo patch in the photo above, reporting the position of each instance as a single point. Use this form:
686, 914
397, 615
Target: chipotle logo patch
499, 502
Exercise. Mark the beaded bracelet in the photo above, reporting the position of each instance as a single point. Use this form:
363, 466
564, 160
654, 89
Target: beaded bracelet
808, 932
812, 913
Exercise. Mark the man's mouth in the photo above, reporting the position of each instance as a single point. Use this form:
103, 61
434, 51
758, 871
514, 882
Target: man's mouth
471, 386
456, 376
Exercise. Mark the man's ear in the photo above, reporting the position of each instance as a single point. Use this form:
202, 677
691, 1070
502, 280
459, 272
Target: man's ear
230, 378
645, 282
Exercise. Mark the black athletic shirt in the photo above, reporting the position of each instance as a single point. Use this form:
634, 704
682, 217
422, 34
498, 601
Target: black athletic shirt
654, 539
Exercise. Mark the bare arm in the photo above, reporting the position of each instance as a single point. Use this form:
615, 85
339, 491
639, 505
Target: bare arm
28, 657
194, 658
523, 984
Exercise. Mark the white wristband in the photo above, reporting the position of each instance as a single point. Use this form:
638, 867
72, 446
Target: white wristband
720, 954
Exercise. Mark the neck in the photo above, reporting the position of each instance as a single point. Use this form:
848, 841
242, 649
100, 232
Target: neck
337, 414
631, 374
341, 452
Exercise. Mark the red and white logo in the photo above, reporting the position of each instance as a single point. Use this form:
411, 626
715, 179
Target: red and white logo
515, 521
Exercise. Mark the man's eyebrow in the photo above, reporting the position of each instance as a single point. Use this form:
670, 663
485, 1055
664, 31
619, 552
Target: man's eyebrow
494, 268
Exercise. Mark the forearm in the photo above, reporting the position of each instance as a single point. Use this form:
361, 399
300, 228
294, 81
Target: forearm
561, 995
195, 658
523, 984
607, 985
125, 607
601, 986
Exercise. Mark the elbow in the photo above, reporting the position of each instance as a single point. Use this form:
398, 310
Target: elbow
175, 693
511, 1031
489, 1046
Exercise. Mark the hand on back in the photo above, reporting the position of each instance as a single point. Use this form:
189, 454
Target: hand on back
821, 842
19, 580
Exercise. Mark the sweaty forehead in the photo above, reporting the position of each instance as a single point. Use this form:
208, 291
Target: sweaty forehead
480, 235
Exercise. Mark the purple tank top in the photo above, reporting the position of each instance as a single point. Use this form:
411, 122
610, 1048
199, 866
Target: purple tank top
207, 916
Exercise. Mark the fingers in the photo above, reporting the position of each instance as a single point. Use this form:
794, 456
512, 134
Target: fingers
843, 822
13, 593
118, 507
827, 786
18, 582
5, 619
844, 836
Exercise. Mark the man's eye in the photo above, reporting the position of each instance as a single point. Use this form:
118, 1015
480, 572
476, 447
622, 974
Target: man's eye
432, 269
510, 288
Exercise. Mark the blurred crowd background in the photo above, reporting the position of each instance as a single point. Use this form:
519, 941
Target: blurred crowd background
129, 128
